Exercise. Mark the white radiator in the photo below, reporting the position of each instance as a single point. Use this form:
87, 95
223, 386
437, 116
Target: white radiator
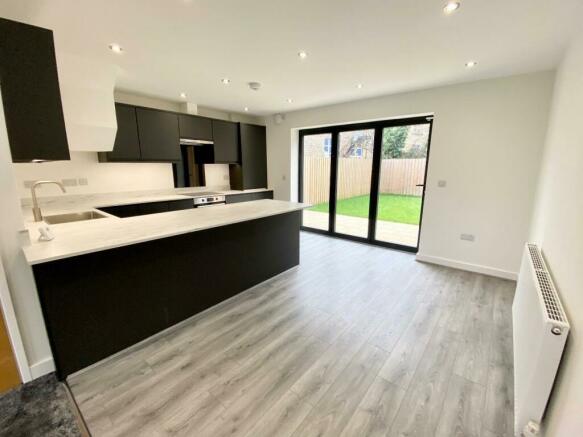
540, 331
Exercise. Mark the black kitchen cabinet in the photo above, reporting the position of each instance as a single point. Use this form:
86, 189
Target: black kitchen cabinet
97, 304
252, 171
177, 205
30, 93
226, 139
127, 143
247, 197
136, 209
195, 128
159, 137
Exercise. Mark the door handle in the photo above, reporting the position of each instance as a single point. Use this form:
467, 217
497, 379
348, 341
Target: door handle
420, 185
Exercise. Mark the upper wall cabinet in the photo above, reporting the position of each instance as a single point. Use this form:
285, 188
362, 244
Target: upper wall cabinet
144, 134
127, 143
30, 93
252, 171
226, 139
159, 138
195, 128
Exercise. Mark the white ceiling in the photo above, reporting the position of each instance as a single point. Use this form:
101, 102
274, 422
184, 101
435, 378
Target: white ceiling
171, 46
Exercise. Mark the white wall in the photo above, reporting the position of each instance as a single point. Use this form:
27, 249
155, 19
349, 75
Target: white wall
487, 141
18, 273
101, 177
558, 227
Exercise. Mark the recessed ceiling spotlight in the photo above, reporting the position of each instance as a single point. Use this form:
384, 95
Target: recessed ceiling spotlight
246, 109
183, 95
359, 86
302, 54
471, 64
115, 48
226, 81
451, 7
289, 100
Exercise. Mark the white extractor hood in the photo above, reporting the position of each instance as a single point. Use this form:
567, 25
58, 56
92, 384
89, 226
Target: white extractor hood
88, 103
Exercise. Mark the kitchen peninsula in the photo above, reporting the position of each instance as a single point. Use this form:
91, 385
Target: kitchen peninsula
108, 283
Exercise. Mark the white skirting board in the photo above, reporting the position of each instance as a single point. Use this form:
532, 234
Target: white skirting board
42, 367
460, 265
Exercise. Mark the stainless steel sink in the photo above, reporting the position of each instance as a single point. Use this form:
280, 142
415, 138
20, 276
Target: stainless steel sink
73, 217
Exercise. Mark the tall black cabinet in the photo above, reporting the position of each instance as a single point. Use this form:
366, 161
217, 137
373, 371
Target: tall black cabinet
226, 142
252, 171
30, 93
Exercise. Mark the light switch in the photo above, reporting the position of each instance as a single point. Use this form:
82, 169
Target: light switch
441, 183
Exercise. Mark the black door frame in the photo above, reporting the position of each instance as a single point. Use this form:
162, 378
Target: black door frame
378, 127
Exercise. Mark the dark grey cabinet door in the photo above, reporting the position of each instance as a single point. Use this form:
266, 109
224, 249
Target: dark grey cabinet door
127, 142
247, 197
226, 139
195, 128
30, 93
254, 156
158, 131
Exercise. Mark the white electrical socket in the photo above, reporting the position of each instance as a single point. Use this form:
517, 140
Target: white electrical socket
467, 237
69, 182
83, 181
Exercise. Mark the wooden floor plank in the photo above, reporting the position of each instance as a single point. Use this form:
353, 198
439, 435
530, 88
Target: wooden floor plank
376, 412
283, 418
420, 410
332, 413
461, 413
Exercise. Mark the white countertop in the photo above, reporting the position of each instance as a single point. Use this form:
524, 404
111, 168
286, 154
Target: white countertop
87, 202
78, 238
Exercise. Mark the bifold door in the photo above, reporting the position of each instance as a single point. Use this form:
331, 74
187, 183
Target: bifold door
366, 181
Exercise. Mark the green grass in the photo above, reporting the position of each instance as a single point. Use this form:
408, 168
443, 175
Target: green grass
392, 208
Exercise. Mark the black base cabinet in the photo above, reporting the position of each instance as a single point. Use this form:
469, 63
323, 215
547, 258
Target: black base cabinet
97, 304
135, 209
246, 197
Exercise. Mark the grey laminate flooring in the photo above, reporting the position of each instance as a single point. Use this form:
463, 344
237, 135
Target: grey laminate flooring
356, 341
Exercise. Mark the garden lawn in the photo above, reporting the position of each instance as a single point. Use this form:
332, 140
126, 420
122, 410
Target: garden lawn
392, 208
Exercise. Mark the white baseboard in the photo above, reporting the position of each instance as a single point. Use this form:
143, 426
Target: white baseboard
42, 367
476, 268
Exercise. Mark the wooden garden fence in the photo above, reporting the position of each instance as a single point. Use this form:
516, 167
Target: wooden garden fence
398, 176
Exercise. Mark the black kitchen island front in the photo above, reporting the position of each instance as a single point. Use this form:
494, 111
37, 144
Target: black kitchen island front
99, 303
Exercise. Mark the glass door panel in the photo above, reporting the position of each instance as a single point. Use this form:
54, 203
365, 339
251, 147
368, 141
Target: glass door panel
401, 183
355, 157
317, 150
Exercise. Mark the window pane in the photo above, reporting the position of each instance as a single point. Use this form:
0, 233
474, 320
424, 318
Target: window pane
403, 161
355, 150
316, 180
